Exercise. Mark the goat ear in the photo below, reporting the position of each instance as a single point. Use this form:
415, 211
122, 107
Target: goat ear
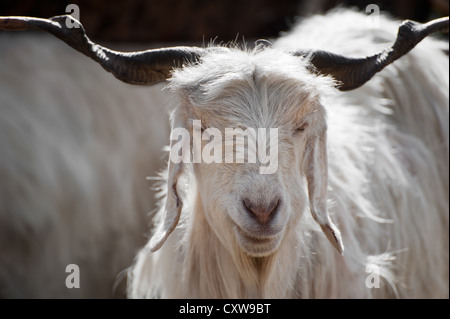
173, 205
316, 173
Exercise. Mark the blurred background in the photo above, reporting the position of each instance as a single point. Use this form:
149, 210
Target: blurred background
144, 21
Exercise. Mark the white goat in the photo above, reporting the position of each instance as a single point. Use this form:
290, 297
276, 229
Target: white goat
382, 168
76, 145
388, 176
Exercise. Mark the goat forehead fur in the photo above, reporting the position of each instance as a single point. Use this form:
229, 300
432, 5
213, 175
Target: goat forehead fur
260, 87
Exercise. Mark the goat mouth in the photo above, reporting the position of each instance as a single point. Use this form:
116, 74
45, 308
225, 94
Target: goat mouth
257, 246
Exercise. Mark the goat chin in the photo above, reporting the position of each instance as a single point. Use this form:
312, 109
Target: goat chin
257, 247
387, 146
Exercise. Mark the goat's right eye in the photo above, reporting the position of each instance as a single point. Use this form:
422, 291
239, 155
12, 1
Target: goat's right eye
301, 128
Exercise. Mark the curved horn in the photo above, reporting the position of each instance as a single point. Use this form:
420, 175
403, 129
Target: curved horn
354, 72
141, 67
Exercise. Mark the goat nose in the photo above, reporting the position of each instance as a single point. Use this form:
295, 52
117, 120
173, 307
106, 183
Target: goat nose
263, 213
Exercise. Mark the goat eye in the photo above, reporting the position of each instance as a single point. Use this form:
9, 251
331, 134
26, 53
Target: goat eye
301, 128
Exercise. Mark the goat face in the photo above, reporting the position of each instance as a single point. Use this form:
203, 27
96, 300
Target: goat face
253, 92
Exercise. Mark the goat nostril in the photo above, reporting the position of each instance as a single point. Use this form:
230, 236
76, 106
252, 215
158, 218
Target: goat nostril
247, 205
263, 213
274, 206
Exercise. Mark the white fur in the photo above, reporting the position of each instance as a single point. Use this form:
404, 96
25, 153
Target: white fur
388, 155
76, 145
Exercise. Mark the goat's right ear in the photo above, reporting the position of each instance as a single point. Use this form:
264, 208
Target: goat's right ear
173, 205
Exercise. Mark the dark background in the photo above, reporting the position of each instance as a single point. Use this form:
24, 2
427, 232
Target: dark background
201, 20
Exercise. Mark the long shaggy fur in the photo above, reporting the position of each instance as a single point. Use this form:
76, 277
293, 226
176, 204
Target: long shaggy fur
388, 155
76, 145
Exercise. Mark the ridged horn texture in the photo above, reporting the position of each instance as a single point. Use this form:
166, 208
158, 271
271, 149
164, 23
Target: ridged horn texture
152, 66
142, 67
354, 72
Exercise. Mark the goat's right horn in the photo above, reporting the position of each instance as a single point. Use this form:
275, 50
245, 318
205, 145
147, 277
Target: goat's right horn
141, 67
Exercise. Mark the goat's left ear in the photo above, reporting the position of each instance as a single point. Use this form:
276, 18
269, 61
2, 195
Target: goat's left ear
173, 205
316, 173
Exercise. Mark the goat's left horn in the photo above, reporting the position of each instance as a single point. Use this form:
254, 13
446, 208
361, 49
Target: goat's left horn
354, 72
141, 67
